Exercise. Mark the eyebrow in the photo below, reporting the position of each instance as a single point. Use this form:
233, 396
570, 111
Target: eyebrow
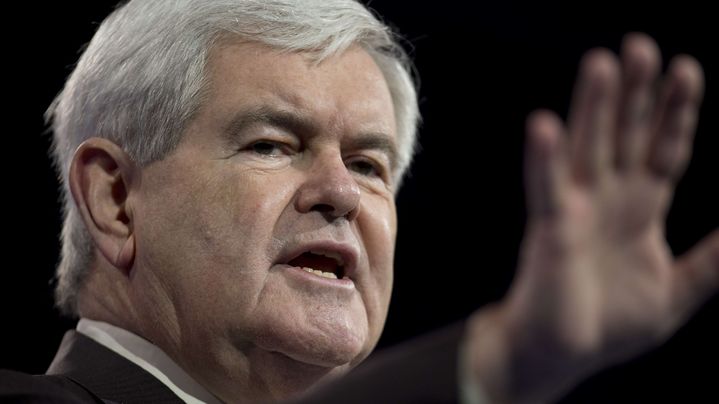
269, 116
297, 123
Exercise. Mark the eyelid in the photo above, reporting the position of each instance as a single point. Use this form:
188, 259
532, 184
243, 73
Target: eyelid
279, 138
280, 148
262, 131
379, 167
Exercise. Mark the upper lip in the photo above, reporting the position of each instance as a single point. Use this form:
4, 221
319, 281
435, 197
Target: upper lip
348, 253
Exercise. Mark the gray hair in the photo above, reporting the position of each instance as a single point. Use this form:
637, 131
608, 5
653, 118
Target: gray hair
142, 78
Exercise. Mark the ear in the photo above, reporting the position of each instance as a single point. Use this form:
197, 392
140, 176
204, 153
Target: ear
101, 180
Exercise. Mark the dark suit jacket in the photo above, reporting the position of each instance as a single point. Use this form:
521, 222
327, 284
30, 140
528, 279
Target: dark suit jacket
420, 371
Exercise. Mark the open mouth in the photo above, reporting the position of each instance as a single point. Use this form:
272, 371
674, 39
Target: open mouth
324, 264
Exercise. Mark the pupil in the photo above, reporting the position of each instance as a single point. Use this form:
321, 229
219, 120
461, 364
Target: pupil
264, 148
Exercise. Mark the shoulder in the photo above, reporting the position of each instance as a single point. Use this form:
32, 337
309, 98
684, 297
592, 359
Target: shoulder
17, 387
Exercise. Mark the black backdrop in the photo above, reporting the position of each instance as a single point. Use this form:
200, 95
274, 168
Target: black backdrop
483, 68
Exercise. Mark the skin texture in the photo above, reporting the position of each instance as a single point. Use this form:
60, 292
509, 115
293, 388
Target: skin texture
193, 246
597, 283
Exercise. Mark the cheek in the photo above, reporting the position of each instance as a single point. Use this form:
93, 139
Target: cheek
208, 239
233, 226
235, 216
378, 225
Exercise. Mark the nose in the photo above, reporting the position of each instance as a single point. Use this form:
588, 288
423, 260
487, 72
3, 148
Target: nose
330, 189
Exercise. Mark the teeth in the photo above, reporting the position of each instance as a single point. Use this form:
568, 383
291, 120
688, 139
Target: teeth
330, 254
320, 273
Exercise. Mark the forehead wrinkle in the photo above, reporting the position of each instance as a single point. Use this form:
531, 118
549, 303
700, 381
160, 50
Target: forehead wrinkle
298, 102
297, 121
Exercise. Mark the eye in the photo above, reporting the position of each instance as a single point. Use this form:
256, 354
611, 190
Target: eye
266, 148
364, 167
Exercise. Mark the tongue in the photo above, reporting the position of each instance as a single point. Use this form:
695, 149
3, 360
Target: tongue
315, 261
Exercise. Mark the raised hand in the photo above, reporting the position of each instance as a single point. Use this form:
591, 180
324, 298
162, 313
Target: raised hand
597, 282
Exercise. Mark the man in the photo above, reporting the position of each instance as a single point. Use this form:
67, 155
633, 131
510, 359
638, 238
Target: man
248, 256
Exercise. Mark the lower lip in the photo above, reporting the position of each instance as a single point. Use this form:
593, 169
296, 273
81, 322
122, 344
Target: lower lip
304, 276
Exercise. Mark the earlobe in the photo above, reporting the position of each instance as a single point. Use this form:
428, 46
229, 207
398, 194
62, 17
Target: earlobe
126, 256
100, 179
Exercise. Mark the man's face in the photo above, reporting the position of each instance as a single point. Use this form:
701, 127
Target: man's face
288, 164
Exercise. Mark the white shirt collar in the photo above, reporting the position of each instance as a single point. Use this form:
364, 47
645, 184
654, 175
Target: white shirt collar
147, 356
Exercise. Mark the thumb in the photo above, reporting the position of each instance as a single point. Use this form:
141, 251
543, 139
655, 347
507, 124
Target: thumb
697, 277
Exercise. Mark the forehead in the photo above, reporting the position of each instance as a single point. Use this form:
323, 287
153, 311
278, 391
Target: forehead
345, 91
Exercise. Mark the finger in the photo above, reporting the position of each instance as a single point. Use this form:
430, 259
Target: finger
641, 62
545, 164
697, 277
675, 119
592, 116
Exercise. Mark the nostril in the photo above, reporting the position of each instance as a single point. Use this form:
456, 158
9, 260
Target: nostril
322, 207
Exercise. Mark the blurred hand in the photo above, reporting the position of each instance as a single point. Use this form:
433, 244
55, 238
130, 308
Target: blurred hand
597, 283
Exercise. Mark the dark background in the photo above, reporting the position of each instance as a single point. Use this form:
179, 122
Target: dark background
483, 68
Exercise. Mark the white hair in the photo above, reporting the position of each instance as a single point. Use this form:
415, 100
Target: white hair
143, 77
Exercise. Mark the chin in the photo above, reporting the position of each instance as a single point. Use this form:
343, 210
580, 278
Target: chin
339, 348
329, 338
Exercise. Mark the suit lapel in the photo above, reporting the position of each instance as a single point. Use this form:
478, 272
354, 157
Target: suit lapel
107, 374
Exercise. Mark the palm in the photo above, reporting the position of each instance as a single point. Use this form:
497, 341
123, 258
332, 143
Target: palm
604, 283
